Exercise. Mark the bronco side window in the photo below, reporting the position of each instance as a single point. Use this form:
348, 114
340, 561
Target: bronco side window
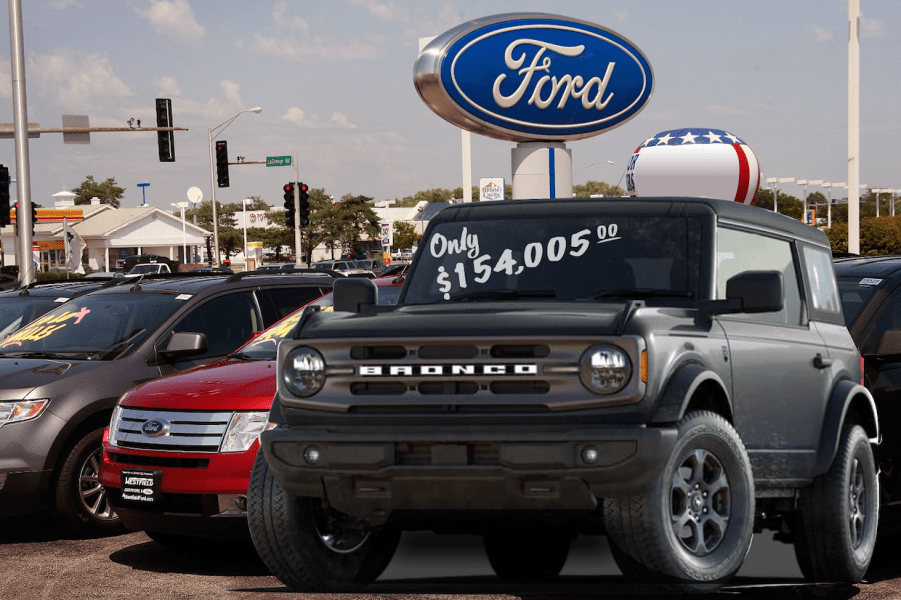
739, 251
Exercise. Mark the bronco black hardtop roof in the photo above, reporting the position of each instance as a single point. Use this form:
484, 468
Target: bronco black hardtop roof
724, 210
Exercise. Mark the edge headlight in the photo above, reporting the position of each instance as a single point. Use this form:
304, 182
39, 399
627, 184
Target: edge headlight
17, 411
304, 371
114, 425
243, 430
605, 369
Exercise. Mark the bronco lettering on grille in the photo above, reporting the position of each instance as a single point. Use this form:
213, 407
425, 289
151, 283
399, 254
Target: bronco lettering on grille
444, 370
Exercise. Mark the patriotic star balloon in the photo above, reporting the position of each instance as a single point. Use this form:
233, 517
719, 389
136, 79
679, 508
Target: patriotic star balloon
709, 163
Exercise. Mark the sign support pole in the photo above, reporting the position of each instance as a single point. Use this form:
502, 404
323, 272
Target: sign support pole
298, 235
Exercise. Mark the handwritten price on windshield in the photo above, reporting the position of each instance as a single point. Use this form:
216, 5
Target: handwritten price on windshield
535, 252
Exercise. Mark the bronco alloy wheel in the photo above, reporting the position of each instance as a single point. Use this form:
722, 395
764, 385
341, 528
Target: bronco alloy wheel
692, 531
308, 545
836, 531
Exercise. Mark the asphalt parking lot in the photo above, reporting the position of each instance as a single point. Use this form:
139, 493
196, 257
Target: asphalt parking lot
39, 560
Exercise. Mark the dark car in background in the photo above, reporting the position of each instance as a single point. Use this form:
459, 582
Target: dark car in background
870, 288
61, 376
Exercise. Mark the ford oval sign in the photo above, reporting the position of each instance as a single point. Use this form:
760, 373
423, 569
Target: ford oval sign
532, 77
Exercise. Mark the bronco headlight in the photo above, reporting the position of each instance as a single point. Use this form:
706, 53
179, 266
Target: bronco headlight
605, 369
243, 430
304, 373
21, 410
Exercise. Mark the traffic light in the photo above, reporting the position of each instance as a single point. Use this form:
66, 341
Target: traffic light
34, 217
289, 205
5, 218
304, 204
165, 139
222, 164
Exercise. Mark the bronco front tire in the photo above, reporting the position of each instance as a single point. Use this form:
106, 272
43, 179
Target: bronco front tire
692, 530
308, 545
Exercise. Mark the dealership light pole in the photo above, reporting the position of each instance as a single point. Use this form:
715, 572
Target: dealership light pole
184, 235
829, 187
244, 202
221, 127
778, 180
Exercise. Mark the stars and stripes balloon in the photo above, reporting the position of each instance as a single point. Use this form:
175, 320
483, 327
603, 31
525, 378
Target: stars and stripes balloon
710, 163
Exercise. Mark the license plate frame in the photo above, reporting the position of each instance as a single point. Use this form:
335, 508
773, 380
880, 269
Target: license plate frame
140, 486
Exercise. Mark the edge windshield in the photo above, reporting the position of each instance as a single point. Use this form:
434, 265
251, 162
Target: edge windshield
93, 327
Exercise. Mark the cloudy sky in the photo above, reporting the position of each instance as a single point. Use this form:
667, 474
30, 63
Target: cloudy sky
334, 80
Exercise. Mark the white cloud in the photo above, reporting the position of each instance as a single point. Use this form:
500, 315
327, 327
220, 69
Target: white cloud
820, 34
622, 15
174, 19
167, 86
64, 4
293, 40
870, 28
340, 121
77, 80
389, 11
6, 86
298, 117
232, 92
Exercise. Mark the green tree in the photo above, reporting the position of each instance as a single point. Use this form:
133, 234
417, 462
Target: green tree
878, 236
404, 235
597, 187
788, 205
434, 195
107, 191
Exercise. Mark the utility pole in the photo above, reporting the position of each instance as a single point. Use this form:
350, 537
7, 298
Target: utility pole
20, 113
298, 235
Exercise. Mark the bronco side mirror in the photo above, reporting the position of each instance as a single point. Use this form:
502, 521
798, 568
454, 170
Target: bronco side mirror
355, 294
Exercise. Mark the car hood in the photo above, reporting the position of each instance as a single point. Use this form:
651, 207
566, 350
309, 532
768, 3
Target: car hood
224, 385
474, 319
20, 376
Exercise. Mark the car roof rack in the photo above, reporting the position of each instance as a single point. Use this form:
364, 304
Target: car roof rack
280, 273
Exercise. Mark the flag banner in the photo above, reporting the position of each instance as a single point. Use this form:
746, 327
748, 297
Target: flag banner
75, 245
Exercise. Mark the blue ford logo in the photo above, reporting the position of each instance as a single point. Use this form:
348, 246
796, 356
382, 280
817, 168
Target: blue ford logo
155, 428
525, 77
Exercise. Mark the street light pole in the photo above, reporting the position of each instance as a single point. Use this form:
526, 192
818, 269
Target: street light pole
221, 127
184, 234
244, 202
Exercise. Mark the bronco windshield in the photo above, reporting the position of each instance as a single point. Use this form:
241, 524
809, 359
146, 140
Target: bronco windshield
93, 327
567, 257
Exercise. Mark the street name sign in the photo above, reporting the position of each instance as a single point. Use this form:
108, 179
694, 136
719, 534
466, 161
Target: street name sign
278, 161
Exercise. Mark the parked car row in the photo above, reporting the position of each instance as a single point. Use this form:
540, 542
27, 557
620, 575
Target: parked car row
63, 372
179, 449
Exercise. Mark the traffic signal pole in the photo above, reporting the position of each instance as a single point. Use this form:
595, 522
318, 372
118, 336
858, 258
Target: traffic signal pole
20, 114
297, 231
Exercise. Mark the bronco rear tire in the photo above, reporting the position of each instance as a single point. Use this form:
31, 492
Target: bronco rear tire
308, 545
836, 531
693, 529
535, 553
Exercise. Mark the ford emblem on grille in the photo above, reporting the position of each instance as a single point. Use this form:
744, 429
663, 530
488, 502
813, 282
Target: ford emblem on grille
532, 77
155, 428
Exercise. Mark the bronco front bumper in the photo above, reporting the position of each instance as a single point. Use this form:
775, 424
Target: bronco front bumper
370, 472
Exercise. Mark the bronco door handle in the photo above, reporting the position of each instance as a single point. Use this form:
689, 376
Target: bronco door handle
821, 363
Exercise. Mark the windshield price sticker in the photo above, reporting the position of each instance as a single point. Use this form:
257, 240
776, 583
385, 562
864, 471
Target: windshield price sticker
62, 299
533, 255
870, 281
183, 297
44, 327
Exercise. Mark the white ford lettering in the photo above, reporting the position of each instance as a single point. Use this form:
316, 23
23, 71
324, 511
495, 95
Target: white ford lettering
439, 370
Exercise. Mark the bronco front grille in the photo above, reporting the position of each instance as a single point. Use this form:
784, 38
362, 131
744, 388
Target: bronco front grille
194, 431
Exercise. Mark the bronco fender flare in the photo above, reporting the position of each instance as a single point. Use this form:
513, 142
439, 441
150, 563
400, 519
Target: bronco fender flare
680, 389
845, 395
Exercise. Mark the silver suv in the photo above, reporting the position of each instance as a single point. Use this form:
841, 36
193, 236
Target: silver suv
673, 372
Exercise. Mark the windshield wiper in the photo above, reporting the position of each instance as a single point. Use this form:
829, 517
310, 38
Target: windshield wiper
643, 293
243, 356
42, 354
505, 295
117, 345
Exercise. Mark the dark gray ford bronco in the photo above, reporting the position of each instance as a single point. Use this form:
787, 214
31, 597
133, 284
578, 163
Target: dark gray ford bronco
674, 373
